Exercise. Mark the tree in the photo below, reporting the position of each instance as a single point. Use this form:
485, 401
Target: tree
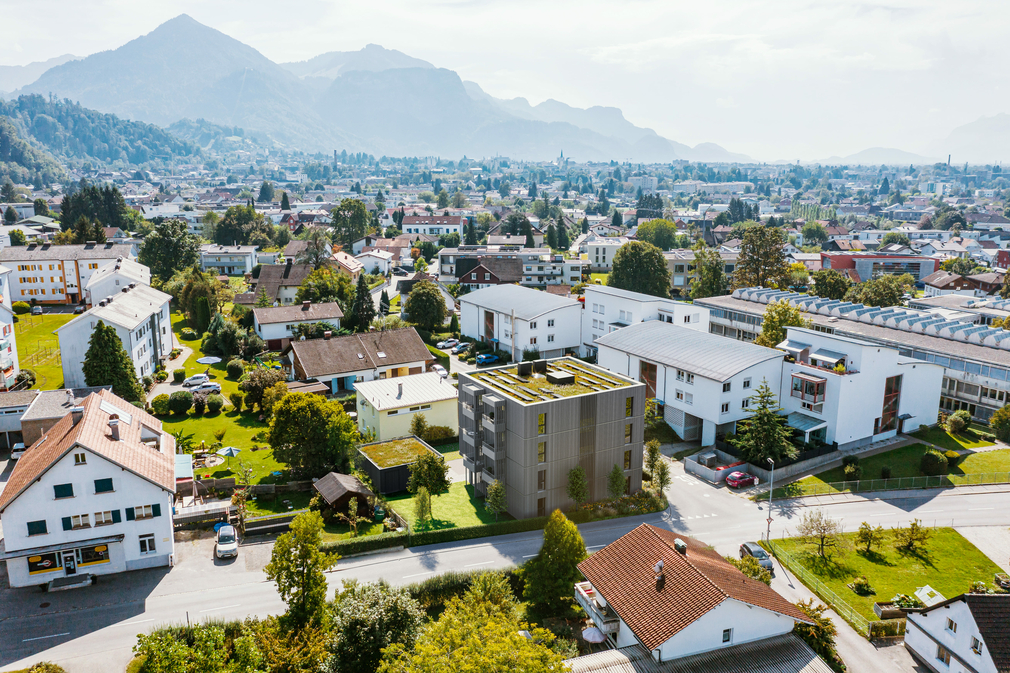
814, 233
363, 310
471, 234
662, 477
384, 304
454, 324
285, 203
326, 285
18, 237
911, 538
425, 305
820, 635
829, 284
350, 221
496, 500
777, 316
751, 567
311, 434
104, 205
422, 506
240, 225
887, 290
318, 249
530, 241
297, 566
1000, 423
107, 363
578, 485
947, 217
368, 618
85, 230
10, 215
262, 300
419, 426
169, 248
552, 236
640, 267
616, 482
711, 278
429, 471
894, 237
41, 207
762, 262
266, 192
959, 265
552, 572
867, 536
659, 232
653, 455
819, 530
564, 242
352, 518
764, 434
442, 199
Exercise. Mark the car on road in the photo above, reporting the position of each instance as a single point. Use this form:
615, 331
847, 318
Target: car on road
226, 544
461, 348
36, 310
195, 380
486, 359
448, 343
208, 387
440, 370
399, 271
17, 451
758, 552
740, 479
78, 309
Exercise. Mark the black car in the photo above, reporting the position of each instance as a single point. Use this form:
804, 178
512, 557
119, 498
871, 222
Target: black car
758, 552
78, 309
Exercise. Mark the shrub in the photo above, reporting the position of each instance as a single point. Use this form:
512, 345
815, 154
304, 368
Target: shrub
438, 433
178, 375
180, 402
885, 472
952, 457
236, 399
25, 379
215, 403
46, 667
189, 334
199, 403
850, 460
236, 368
21, 307
906, 601
160, 405
1000, 423
161, 376
956, 422
861, 586
852, 472
933, 463
147, 382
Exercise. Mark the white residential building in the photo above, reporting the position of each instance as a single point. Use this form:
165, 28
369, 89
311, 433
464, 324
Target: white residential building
58, 274
376, 259
141, 316
966, 634
276, 324
94, 495
10, 364
229, 260
388, 406
601, 250
646, 183
113, 277
516, 318
610, 308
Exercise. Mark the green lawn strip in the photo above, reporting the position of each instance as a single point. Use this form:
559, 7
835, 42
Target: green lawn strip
268, 505
441, 356
449, 451
662, 432
39, 348
602, 277
454, 509
218, 372
948, 442
949, 564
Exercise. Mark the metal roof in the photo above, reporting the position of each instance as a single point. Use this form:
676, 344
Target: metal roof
526, 302
416, 389
701, 353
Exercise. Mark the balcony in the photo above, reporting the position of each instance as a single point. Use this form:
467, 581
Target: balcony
596, 608
467, 410
487, 477
808, 388
488, 422
469, 464
491, 453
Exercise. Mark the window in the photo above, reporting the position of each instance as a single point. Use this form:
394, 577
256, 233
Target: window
951, 625
143, 512
147, 544
627, 433
80, 458
63, 491
80, 521
103, 486
541, 506
542, 424
550, 323
889, 413
727, 635
680, 374
976, 646
629, 407
726, 387
550, 338
533, 325
746, 383
745, 404
106, 518
680, 395
37, 528
541, 452
533, 340
942, 655
542, 480
725, 407
690, 379
627, 460
689, 398
687, 319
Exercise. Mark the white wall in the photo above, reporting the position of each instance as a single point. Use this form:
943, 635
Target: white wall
109, 286
554, 331
602, 308
749, 623
279, 330
388, 426
935, 624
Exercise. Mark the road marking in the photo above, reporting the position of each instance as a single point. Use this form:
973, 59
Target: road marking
482, 563
142, 621
979, 509
430, 572
223, 607
929, 511
55, 635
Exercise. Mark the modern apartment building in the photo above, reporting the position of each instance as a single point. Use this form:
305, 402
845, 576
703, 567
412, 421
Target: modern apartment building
517, 319
529, 424
534, 267
609, 308
58, 274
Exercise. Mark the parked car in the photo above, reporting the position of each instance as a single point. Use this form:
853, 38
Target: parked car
78, 309
226, 544
740, 479
36, 310
461, 348
758, 552
399, 271
17, 451
448, 343
440, 370
195, 380
208, 387
486, 359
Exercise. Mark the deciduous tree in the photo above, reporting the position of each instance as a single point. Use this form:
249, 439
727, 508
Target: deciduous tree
425, 305
867, 536
829, 284
431, 472
762, 262
777, 316
640, 267
326, 285
616, 482
368, 618
311, 434
711, 279
318, 249
578, 485
297, 567
350, 221
168, 249
820, 635
887, 290
819, 530
552, 572
496, 500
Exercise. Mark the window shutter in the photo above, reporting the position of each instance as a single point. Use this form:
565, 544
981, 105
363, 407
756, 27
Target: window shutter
115, 516
129, 514
156, 509
68, 524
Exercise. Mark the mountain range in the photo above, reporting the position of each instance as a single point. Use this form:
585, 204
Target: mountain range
16, 76
374, 100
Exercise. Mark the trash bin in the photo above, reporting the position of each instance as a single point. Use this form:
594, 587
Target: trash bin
380, 514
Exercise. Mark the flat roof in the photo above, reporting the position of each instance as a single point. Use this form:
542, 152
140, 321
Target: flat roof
393, 452
533, 388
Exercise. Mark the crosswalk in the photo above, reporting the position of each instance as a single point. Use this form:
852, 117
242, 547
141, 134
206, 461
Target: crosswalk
688, 518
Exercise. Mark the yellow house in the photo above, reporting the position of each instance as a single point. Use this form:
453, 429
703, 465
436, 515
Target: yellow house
387, 406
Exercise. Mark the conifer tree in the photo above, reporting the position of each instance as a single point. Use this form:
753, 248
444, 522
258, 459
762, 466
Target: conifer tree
364, 307
107, 363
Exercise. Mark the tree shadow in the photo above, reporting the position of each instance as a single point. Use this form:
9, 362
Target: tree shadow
875, 557
827, 566
922, 554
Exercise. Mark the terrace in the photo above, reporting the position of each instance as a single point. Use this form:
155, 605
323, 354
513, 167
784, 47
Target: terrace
543, 380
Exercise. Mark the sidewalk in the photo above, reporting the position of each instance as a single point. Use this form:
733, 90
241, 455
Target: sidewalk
904, 494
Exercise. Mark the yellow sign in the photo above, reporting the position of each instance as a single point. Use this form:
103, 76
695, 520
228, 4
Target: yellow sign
101, 548
34, 559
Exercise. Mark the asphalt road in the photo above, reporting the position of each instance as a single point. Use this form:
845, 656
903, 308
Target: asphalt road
94, 629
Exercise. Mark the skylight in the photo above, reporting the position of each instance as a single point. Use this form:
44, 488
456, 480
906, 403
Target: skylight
110, 409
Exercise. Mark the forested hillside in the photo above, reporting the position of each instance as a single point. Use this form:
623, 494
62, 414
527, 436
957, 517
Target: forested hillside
24, 162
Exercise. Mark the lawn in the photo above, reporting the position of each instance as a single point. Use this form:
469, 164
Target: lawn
449, 451
394, 452
949, 564
457, 508
39, 348
218, 372
661, 431
602, 277
948, 442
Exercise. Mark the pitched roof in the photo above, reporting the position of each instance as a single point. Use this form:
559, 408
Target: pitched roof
274, 276
57, 404
298, 313
355, 352
27, 253
92, 432
526, 302
135, 271
406, 391
507, 270
692, 585
335, 486
941, 278
127, 308
991, 613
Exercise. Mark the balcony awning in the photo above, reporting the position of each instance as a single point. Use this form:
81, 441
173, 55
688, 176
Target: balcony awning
827, 356
793, 347
809, 377
805, 423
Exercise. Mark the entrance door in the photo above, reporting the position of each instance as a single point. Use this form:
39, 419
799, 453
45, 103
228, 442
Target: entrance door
69, 563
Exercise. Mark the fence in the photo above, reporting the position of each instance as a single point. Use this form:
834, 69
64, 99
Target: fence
893, 484
885, 628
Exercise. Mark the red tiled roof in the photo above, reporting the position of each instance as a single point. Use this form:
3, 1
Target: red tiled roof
693, 584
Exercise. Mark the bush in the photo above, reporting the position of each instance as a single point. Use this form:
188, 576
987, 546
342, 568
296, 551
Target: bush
147, 382
46, 667
885, 472
933, 463
161, 376
433, 593
952, 458
25, 379
850, 460
180, 402
189, 334
359, 545
215, 403
438, 433
199, 403
160, 405
236, 368
471, 532
958, 421
852, 472
861, 586
236, 399
21, 307
178, 375
1000, 423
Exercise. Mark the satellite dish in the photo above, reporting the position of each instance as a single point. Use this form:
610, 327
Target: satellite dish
658, 567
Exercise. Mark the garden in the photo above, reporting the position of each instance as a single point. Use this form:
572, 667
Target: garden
39, 348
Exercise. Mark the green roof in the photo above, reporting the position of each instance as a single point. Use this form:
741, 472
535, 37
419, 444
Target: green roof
395, 452
536, 388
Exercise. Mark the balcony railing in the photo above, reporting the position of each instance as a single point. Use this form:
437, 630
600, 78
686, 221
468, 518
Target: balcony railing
490, 452
808, 397
599, 611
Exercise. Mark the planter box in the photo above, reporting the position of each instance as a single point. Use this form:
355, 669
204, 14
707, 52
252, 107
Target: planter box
888, 611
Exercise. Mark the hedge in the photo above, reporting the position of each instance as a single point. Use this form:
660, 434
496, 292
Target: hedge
434, 592
358, 545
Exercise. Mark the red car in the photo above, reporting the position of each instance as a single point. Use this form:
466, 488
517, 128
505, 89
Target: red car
740, 479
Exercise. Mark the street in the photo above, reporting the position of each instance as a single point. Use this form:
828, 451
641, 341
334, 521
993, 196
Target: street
94, 629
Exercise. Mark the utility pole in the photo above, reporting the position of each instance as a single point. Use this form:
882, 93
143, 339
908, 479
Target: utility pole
771, 490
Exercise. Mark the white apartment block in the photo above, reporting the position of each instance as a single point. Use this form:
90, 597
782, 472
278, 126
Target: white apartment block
230, 260
610, 308
113, 277
515, 318
600, 250
9, 363
58, 274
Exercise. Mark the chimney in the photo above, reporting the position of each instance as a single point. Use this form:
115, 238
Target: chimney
399, 392
326, 335
77, 413
114, 426
287, 268
70, 398
306, 305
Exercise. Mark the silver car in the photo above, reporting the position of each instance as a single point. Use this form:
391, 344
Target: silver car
226, 545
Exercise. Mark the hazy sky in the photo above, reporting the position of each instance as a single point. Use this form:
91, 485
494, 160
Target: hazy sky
782, 79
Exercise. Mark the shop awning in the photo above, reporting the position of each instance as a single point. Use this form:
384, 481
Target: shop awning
827, 356
108, 539
805, 423
793, 347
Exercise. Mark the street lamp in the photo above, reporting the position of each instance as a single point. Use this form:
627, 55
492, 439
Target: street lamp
771, 490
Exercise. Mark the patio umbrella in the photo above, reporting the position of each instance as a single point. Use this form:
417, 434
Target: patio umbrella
209, 360
228, 452
593, 635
